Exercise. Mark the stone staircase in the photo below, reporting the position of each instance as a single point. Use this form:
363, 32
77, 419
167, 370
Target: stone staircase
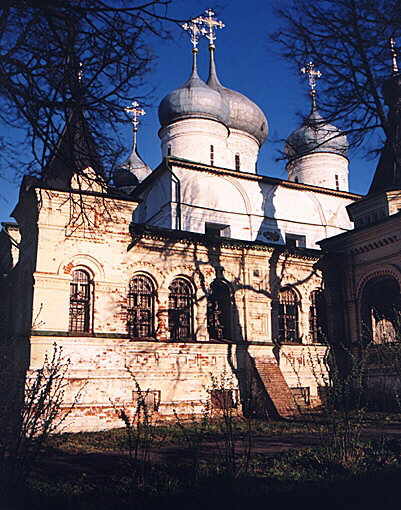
276, 387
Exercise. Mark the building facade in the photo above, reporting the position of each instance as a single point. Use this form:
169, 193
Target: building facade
198, 269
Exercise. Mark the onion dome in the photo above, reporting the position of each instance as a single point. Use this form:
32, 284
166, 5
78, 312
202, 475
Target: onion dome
134, 170
315, 135
244, 114
193, 99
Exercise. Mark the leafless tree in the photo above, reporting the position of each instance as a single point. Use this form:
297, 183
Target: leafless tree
58, 57
349, 41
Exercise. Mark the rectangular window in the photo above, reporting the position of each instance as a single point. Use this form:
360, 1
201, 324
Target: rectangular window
337, 182
212, 155
217, 229
295, 241
237, 162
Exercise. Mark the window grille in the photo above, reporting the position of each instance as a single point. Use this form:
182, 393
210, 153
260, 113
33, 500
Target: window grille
237, 162
317, 317
212, 155
288, 316
141, 305
80, 302
180, 314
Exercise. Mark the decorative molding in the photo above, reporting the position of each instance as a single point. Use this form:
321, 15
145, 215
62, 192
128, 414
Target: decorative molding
85, 260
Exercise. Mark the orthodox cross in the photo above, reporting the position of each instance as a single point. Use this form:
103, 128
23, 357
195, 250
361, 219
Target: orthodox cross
195, 30
136, 113
313, 74
211, 25
80, 72
394, 55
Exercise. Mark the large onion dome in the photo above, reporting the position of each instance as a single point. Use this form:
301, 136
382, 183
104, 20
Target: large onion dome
132, 172
193, 99
244, 114
315, 135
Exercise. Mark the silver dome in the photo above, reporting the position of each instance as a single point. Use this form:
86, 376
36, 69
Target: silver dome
244, 114
315, 135
193, 99
132, 172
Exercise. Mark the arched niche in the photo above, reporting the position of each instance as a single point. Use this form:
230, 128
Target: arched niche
380, 308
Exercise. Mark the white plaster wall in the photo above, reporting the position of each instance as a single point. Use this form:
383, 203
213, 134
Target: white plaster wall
253, 207
155, 207
191, 139
246, 147
320, 169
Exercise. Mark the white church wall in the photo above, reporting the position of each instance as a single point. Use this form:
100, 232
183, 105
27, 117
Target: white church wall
247, 149
155, 206
192, 139
253, 207
320, 169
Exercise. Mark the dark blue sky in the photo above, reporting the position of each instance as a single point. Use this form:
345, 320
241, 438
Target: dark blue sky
248, 62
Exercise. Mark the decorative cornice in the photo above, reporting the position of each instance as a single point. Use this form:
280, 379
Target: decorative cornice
339, 242
142, 231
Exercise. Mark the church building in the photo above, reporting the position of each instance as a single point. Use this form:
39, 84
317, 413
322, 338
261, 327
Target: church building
199, 270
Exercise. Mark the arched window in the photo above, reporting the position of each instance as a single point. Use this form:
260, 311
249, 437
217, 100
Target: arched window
317, 317
180, 313
219, 311
141, 307
237, 162
380, 310
288, 316
80, 302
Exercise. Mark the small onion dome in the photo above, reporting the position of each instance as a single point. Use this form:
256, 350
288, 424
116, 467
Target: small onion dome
193, 99
244, 114
132, 172
315, 135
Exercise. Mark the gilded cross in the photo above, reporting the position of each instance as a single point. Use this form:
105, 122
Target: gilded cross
211, 24
313, 74
136, 113
394, 55
195, 30
81, 72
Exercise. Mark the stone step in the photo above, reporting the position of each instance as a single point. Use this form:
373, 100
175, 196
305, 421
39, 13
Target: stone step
276, 387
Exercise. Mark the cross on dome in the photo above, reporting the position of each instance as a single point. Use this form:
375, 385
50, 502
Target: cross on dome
313, 75
211, 24
394, 55
136, 113
195, 31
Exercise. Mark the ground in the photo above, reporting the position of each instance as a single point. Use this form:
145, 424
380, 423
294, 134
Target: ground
181, 465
